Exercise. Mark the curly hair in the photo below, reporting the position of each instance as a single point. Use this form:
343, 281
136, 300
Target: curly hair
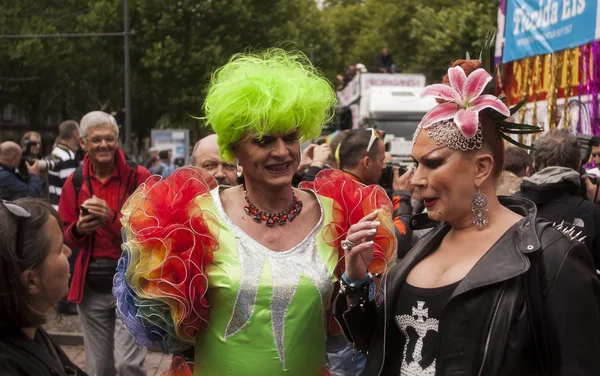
272, 92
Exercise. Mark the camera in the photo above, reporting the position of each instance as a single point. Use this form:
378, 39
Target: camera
386, 181
45, 164
585, 141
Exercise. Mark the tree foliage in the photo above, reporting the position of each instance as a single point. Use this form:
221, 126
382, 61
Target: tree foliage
177, 44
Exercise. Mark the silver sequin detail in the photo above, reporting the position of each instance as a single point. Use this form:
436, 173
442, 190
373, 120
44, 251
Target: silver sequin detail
446, 133
286, 268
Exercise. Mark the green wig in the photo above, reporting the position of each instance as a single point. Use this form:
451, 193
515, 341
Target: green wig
270, 93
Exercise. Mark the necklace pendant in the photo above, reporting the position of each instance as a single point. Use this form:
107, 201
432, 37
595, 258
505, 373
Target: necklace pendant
271, 219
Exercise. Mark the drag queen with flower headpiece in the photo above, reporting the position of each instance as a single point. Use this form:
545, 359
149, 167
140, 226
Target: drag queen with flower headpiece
492, 290
248, 273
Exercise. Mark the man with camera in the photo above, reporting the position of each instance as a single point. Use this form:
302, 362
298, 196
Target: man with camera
555, 188
361, 155
31, 144
12, 184
90, 206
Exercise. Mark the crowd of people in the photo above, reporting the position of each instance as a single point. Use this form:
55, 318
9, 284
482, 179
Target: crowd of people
385, 65
475, 259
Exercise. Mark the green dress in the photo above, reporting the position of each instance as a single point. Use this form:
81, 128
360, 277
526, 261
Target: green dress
268, 310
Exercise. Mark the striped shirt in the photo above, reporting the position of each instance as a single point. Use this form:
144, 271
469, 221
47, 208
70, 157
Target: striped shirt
66, 165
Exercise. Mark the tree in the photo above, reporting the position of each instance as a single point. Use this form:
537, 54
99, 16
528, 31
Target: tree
176, 46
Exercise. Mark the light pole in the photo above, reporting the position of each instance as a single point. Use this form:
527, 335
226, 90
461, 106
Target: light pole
127, 78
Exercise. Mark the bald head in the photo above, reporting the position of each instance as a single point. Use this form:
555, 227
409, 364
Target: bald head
10, 153
206, 156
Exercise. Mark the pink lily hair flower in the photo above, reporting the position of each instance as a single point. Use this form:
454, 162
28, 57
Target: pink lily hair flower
463, 100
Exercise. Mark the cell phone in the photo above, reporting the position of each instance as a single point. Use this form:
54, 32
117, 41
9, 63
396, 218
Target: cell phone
84, 210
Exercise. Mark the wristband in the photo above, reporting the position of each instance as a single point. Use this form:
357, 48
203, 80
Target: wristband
353, 283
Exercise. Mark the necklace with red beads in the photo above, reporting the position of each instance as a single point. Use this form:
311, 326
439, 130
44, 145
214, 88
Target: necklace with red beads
271, 219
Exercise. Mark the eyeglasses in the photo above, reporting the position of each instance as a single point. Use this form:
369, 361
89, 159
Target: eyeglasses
19, 212
98, 140
375, 134
34, 143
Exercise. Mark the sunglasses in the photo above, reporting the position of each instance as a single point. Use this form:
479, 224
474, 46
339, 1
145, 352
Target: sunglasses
375, 134
19, 212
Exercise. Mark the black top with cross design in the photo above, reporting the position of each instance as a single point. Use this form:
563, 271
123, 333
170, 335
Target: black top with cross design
417, 316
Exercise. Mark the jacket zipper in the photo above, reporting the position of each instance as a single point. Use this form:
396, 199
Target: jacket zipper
489, 336
384, 322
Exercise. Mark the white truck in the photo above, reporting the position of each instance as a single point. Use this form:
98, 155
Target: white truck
389, 102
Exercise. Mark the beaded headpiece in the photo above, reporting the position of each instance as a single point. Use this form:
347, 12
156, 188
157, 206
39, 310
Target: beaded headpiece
455, 122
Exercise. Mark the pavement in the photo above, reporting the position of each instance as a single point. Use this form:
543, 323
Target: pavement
67, 332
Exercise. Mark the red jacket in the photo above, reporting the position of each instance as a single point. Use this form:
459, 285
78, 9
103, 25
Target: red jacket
105, 243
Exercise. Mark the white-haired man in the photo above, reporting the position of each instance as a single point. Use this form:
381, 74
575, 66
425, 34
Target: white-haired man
90, 206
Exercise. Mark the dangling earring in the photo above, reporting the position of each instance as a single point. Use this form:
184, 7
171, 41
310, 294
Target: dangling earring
479, 203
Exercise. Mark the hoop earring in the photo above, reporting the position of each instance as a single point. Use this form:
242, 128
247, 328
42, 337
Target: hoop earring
479, 203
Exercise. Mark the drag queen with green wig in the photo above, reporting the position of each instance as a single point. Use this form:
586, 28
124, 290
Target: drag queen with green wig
248, 273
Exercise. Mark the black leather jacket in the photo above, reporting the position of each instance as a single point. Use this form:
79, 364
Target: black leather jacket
484, 328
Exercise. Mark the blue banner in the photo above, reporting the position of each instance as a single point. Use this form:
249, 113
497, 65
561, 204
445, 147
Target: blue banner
538, 27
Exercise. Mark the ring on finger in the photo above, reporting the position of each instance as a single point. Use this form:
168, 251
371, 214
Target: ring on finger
347, 245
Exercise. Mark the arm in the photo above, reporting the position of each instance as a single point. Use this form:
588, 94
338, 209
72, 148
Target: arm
357, 322
68, 208
402, 209
402, 214
572, 312
311, 173
12, 183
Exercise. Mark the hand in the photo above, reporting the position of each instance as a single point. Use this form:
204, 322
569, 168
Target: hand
360, 257
98, 208
307, 158
34, 169
591, 189
321, 155
87, 224
402, 182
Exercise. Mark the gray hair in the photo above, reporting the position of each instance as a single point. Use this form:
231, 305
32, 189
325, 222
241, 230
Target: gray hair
67, 129
557, 148
95, 118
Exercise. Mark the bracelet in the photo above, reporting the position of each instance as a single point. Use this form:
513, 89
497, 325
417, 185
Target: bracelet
353, 283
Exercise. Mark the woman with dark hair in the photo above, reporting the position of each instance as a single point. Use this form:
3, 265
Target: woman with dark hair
34, 275
492, 290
